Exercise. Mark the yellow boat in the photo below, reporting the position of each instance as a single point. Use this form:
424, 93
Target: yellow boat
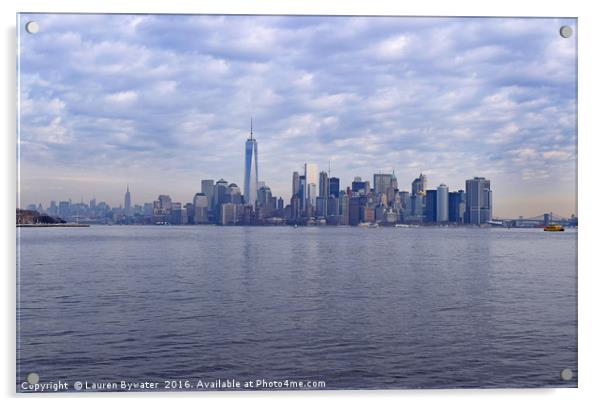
553, 227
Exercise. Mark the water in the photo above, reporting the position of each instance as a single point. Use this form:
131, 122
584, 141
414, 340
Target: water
352, 307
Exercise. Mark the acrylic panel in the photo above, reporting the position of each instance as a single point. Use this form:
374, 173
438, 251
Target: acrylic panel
245, 202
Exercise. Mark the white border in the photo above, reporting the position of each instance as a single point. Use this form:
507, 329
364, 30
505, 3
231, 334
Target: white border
590, 69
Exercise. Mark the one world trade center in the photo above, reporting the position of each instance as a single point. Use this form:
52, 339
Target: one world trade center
251, 178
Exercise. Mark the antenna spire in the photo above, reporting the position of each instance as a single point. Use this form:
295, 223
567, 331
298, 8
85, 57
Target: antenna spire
251, 127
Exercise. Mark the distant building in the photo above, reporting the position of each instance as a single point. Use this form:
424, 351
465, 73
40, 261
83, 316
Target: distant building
419, 185
165, 203
394, 184
64, 211
200, 204
220, 194
302, 192
233, 194
360, 187
457, 206
176, 213
368, 215
189, 213
354, 211
311, 181
207, 186
321, 206
162, 209
417, 206
404, 198
430, 209
382, 182
334, 186
324, 189
311, 199
147, 210
53, 209
478, 201
251, 170
127, 204
324, 193
344, 209
264, 196
442, 204
295, 208
296, 183
228, 214
332, 210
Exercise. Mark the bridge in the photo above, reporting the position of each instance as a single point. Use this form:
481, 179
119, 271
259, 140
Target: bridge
536, 221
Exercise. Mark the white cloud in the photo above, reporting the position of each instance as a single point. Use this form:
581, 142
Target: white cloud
55, 132
126, 97
393, 48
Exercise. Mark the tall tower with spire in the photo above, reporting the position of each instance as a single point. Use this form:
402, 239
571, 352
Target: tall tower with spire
127, 204
251, 172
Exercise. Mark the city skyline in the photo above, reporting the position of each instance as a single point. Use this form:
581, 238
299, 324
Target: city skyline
160, 114
122, 202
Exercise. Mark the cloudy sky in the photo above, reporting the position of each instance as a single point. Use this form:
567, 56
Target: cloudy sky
161, 102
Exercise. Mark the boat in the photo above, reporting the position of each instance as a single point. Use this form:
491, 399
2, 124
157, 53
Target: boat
553, 227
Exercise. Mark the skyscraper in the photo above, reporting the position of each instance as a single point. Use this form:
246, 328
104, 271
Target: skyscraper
478, 201
175, 216
220, 194
419, 185
324, 193
457, 206
228, 214
442, 203
165, 203
311, 182
344, 209
382, 181
127, 204
200, 204
264, 195
296, 183
233, 194
359, 186
430, 209
207, 188
251, 172
324, 185
334, 186
354, 211
302, 191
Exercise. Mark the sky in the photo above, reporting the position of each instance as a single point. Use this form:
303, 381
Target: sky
159, 102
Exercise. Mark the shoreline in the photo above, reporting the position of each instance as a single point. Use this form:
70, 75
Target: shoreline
53, 225
366, 226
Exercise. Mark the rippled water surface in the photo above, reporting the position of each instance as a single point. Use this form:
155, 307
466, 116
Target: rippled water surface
353, 307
